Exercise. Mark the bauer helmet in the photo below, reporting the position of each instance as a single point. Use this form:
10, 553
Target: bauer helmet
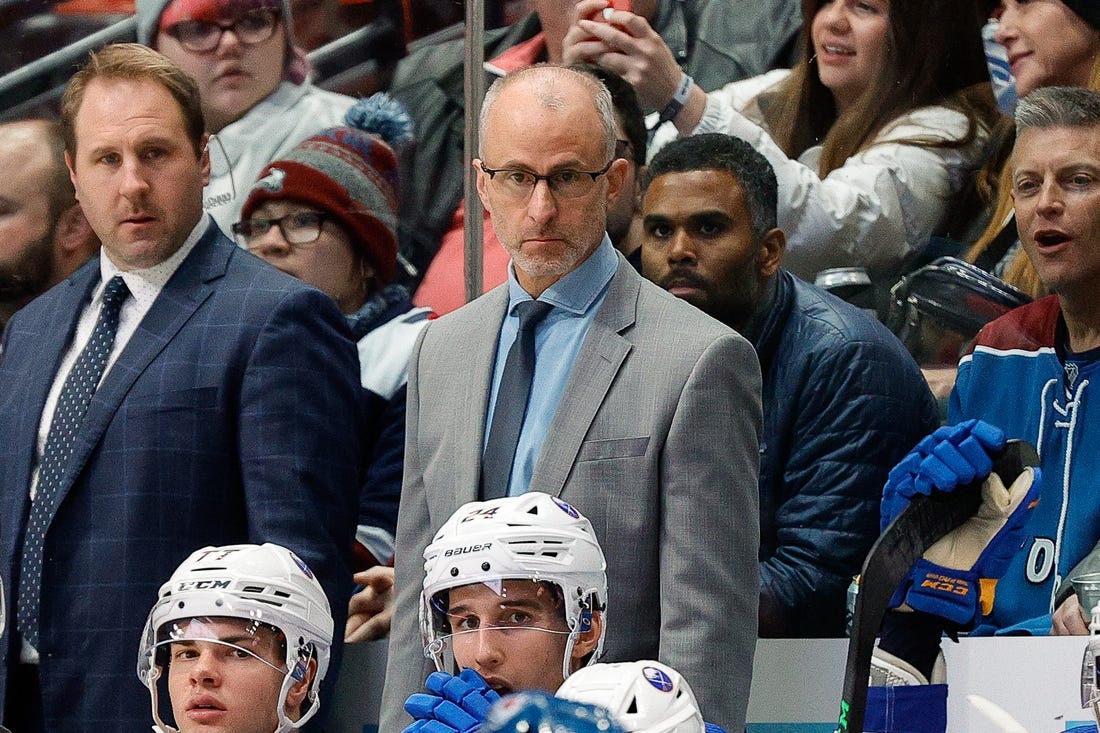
265, 585
533, 537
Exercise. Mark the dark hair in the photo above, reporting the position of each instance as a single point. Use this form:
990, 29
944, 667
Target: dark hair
719, 152
934, 55
627, 107
132, 61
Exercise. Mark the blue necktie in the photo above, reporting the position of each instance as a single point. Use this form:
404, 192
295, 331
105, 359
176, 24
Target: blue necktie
68, 417
511, 404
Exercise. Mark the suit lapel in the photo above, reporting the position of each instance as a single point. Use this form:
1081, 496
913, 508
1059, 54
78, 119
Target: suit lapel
479, 339
73, 295
188, 287
599, 360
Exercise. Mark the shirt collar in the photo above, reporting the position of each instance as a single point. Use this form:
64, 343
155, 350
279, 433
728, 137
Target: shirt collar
579, 289
146, 284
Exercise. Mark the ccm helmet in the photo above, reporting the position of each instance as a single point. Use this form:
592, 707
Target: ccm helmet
529, 537
266, 585
644, 697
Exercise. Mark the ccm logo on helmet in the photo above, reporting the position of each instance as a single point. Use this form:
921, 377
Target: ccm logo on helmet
202, 585
464, 550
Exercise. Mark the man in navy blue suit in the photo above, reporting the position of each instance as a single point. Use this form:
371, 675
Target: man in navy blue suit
225, 411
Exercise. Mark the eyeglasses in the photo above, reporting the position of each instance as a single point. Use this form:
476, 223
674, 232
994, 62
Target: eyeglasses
567, 184
302, 227
199, 36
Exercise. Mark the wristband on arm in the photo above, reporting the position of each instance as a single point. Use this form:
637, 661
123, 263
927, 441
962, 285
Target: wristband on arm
679, 99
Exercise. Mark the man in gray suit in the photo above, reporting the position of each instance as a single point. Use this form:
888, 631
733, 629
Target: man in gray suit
643, 412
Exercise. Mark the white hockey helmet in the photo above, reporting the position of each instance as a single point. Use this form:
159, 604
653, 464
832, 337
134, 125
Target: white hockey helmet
534, 536
263, 584
644, 697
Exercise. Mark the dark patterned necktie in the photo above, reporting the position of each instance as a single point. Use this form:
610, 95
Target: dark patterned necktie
68, 416
511, 404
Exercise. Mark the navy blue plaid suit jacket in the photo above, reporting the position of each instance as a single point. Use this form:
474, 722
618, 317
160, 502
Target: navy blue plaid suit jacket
229, 417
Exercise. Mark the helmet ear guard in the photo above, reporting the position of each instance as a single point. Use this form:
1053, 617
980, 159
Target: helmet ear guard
586, 620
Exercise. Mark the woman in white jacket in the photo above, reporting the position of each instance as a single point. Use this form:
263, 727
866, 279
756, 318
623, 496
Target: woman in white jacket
870, 137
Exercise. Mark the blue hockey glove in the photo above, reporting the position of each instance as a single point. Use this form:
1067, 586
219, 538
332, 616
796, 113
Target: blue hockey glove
455, 705
956, 579
954, 455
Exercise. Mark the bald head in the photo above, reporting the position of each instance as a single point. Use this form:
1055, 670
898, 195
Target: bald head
552, 88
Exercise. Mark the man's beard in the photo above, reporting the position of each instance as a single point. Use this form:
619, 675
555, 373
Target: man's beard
26, 278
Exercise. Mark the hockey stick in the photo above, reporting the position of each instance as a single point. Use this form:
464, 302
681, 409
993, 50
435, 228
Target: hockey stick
914, 530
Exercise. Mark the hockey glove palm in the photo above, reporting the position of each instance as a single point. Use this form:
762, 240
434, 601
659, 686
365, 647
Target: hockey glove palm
455, 705
957, 577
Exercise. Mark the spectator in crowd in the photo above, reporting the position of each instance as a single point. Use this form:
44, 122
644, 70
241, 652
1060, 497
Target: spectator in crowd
225, 412
257, 99
238, 640
1030, 371
443, 287
642, 411
1026, 31
870, 136
327, 213
44, 236
843, 401
705, 39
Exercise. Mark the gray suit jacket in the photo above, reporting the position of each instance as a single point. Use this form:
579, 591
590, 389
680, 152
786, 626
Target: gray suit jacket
656, 440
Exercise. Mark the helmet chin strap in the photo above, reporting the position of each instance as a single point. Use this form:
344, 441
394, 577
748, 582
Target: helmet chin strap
151, 682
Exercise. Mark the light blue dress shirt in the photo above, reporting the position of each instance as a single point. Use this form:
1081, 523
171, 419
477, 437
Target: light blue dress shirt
576, 297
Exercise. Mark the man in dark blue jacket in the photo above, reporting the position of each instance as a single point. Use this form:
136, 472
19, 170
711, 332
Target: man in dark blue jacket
843, 401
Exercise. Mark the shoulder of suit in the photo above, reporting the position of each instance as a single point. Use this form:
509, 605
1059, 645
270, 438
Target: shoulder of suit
660, 310
246, 271
474, 313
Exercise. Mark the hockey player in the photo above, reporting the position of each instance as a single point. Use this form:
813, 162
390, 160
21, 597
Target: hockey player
239, 637
514, 599
952, 586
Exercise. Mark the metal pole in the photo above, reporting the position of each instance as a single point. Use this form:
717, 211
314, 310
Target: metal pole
475, 91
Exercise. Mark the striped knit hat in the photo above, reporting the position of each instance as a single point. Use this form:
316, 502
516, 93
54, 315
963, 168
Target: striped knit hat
349, 173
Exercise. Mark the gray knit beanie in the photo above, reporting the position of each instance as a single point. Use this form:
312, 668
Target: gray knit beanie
148, 14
